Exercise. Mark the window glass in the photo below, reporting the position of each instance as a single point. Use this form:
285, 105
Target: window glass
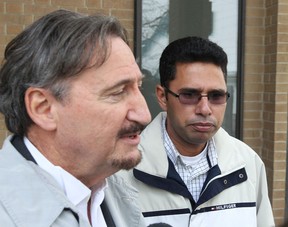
163, 21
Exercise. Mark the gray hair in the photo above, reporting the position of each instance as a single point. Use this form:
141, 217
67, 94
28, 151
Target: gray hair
47, 54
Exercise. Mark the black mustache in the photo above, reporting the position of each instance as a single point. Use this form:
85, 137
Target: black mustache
135, 128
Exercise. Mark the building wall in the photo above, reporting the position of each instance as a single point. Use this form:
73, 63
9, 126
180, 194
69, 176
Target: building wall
266, 91
16, 14
265, 71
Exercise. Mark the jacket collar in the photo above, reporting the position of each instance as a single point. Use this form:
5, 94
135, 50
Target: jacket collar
32, 185
230, 166
122, 197
152, 149
229, 157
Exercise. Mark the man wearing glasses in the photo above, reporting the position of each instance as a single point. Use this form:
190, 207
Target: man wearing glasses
193, 173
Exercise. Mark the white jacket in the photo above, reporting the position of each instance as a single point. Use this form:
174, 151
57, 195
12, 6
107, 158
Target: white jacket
30, 197
235, 193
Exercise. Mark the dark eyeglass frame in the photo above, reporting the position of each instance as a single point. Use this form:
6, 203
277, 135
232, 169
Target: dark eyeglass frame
214, 97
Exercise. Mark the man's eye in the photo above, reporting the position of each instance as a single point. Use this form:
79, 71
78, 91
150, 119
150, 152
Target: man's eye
216, 94
189, 95
117, 93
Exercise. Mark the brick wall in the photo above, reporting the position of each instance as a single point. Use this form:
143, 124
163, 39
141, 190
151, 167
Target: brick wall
265, 92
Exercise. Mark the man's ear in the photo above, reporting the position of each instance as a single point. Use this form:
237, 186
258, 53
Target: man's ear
161, 97
39, 103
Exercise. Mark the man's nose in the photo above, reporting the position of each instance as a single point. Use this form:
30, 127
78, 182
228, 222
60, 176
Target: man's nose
140, 111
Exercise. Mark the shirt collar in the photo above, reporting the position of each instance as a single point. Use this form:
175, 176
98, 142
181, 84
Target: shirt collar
74, 189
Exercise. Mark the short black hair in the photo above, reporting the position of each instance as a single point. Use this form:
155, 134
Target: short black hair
188, 50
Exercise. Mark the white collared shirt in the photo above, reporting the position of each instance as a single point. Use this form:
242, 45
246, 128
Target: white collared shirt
75, 190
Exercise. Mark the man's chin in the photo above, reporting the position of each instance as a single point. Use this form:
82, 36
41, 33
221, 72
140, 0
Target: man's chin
127, 163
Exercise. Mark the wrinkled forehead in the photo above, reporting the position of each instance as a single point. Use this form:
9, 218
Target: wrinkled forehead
119, 65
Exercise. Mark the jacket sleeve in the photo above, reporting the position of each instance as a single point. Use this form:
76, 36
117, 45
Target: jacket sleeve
6, 219
264, 210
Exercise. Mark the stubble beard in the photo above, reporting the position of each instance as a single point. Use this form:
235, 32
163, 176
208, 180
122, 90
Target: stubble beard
126, 163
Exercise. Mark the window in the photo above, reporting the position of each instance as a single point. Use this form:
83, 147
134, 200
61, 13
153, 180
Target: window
159, 22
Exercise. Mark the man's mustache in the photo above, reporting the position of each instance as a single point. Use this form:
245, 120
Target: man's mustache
134, 128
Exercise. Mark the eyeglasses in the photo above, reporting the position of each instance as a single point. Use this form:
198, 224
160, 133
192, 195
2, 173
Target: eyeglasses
192, 97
